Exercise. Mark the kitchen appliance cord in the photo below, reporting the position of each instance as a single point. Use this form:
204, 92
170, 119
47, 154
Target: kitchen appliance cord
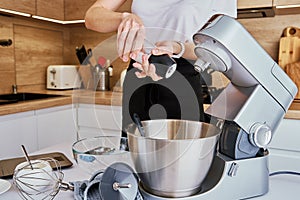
284, 172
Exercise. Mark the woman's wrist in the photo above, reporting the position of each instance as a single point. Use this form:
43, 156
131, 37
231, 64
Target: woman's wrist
125, 14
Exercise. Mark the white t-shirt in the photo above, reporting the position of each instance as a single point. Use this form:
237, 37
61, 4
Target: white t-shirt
179, 19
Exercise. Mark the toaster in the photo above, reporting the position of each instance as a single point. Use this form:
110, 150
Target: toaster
61, 77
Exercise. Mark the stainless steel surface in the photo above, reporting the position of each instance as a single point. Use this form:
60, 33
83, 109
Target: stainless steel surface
14, 89
174, 157
26, 156
102, 79
251, 179
117, 186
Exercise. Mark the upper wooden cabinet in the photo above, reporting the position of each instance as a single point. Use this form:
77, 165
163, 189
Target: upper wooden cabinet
243, 4
76, 9
126, 7
67, 10
53, 9
25, 6
286, 2
283, 7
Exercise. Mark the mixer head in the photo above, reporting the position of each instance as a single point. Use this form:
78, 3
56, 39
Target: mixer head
256, 83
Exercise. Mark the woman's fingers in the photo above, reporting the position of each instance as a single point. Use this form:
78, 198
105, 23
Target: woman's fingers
121, 36
130, 36
140, 74
146, 69
145, 63
128, 44
138, 66
152, 73
138, 42
163, 47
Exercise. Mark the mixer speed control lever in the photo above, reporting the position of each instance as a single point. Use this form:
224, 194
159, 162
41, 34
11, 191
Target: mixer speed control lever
260, 135
233, 169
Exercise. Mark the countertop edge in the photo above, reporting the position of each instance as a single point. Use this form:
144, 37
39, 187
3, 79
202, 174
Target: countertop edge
94, 97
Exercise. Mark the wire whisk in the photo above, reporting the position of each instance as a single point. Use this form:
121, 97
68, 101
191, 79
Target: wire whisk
39, 179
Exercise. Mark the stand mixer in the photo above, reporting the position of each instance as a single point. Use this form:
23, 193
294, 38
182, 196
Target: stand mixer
252, 106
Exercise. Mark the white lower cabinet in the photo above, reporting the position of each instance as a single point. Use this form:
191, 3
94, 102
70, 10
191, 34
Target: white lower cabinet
56, 125
16, 130
285, 147
36, 130
96, 120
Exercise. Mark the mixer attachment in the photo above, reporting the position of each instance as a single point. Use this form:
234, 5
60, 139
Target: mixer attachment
119, 182
39, 179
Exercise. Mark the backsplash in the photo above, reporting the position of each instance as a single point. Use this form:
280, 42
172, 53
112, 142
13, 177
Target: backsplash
267, 31
37, 44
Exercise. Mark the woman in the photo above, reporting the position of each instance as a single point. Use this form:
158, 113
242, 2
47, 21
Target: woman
158, 27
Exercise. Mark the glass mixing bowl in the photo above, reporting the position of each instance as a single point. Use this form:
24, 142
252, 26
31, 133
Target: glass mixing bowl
97, 153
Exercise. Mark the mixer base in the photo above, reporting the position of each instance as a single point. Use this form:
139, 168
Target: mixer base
169, 194
230, 179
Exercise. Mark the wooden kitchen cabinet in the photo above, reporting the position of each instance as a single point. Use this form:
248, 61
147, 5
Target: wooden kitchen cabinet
76, 9
25, 6
243, 4
96, 120
7, 56
16, 130
65, 10
286, 2
53, 9
35, 49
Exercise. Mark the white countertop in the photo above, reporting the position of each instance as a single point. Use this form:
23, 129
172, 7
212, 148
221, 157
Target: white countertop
281, 186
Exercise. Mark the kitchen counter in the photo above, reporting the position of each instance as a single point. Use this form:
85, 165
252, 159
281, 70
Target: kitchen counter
93, 97
281, 186
68, 97
294, 110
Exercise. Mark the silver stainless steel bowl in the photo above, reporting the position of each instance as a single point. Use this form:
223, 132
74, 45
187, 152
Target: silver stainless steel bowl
174, 157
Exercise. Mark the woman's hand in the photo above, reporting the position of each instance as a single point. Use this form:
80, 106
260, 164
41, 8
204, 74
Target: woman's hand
147, 69
175, 49
164, 47
130, 37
